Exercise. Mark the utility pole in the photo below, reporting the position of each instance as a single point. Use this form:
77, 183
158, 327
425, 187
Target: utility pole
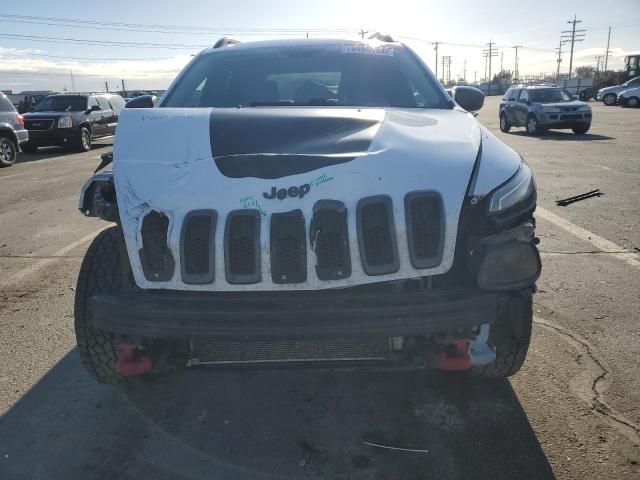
606, 58
363, 33
598, 58
464, 71
73, 82
106, 86
559, 60
489, 54
573, 36
124, 90
436, 49
516, 74
475, 76
501, 60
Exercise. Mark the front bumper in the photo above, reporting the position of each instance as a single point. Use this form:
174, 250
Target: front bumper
54, 137
22, 136
564, 119
165, 314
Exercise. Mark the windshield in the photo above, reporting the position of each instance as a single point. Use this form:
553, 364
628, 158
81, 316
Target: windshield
550, 95
341, 74
62, 103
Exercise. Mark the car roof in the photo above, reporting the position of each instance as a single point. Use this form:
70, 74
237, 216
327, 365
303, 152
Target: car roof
298, 42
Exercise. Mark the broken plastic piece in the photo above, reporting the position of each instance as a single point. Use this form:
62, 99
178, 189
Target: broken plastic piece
583, 196
481, 353
455, 356
131, 361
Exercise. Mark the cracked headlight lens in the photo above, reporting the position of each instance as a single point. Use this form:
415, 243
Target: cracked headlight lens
518, 188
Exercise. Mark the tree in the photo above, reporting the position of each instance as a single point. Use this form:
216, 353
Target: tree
585, 71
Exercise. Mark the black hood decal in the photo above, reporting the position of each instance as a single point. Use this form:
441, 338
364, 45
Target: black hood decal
278, 142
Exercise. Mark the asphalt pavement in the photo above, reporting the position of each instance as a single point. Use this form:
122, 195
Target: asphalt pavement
571, 413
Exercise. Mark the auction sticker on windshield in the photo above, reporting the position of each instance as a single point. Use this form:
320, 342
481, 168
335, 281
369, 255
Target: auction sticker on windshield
362, 48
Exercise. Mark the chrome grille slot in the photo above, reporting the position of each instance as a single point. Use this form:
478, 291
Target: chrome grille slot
242, 247
155, 256
197, 249
425, 228
38, 124
377, 235
288, 247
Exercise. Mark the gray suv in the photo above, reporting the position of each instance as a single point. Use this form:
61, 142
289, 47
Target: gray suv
12, 132
540, 107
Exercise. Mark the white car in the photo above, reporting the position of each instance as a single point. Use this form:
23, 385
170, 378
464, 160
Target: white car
609, 95
629, 98
317, 202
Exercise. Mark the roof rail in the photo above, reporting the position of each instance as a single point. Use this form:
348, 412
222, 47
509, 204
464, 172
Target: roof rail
225, 42
383, 37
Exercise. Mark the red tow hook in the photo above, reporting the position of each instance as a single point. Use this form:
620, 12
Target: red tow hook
456, 357
131, 361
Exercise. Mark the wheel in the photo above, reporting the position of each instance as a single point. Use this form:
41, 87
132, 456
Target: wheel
609, 99
505, 126
509, 335
101, 272
85, 140
582, 129
532, 125
29, 148
633, 102
8, 151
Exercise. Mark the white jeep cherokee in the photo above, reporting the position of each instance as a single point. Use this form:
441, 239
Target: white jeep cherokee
318, 202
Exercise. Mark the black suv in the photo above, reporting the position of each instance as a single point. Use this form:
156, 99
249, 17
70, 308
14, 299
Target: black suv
72, 120
12, 132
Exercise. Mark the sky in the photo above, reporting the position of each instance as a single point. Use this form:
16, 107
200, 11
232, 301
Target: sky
62, 44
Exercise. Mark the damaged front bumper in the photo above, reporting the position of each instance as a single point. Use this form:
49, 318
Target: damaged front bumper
293, 315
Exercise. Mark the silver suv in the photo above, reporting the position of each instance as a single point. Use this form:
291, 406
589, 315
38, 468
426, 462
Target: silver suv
12, 132
539, 107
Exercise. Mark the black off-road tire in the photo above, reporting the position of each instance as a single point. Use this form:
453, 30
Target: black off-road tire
101, 272
505, 126
510, 335
581, 130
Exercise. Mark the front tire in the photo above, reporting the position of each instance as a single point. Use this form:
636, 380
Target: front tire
510, 336
84, 144
101, 272
532, 125
581, 130
8, 150
609, 99
505, 126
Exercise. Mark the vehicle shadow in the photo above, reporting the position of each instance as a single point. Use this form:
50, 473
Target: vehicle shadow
282, 424
45, 153
567, 136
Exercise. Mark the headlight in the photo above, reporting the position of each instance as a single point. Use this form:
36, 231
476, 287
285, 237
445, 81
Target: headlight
551, 110
518, 188
65, 122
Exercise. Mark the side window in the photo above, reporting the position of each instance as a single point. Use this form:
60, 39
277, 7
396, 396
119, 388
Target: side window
507, 94
6, 105
104, 103
524, 95
514, 94
117, 102
92, 102
635, 82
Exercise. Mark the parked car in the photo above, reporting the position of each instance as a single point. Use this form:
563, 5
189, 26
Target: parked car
12, 131
72, 120
296, 202
629, 98
609, 95
540, 107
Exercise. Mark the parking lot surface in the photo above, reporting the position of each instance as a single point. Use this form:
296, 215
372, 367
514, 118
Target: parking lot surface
571, 413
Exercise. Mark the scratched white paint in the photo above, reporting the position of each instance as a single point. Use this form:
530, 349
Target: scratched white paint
163, 161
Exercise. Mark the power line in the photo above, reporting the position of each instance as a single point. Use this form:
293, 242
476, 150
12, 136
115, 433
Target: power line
93, 58
108, 43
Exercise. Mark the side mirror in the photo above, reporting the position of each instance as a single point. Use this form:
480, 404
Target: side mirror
143, 101
576, 97
469, 98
